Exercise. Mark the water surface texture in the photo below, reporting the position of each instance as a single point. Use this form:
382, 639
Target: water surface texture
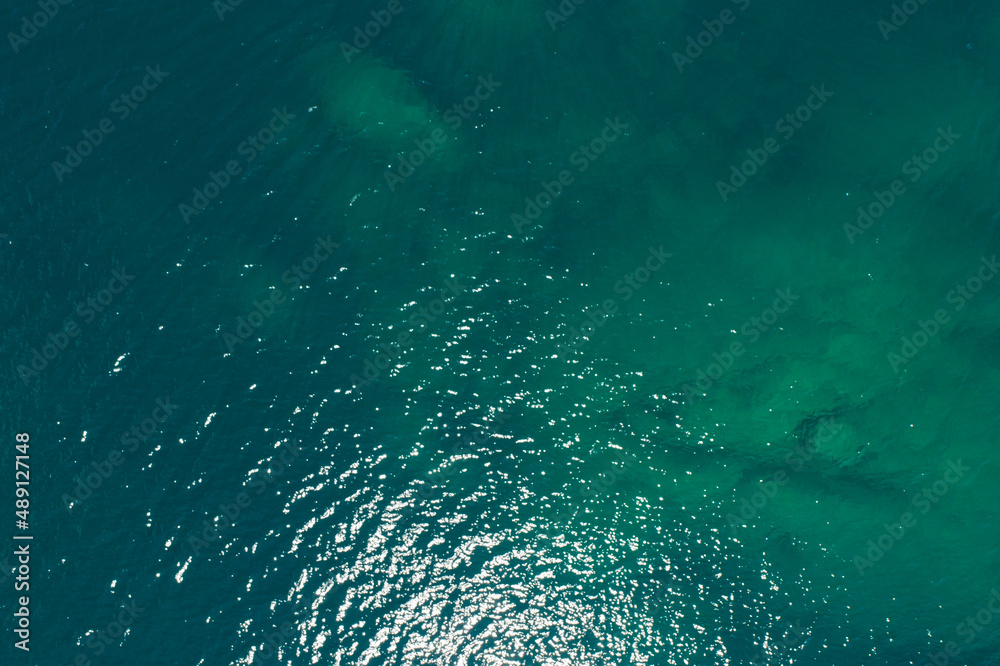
473, 332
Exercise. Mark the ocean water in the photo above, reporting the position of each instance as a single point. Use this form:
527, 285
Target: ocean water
510, 333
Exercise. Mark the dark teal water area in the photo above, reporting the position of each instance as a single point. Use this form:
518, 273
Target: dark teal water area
512, 333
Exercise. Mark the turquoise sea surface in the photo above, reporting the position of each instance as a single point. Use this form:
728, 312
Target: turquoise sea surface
470, 332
